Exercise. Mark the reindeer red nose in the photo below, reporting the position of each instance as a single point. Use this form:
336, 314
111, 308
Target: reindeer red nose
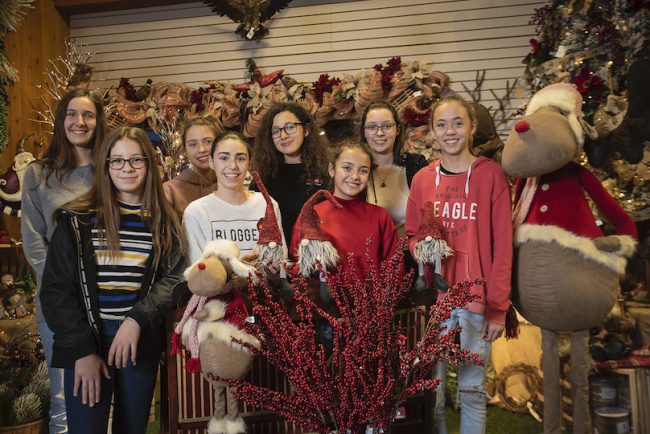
201, 266
522, 126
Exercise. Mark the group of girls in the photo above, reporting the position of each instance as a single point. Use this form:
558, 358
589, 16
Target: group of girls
118, 247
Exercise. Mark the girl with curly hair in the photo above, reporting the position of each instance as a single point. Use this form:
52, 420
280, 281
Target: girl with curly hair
291, 156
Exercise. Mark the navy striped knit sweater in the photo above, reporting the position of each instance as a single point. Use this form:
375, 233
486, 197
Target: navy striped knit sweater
119, 280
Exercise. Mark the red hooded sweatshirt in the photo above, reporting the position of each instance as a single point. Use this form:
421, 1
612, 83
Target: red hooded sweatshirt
475, 211
348, 228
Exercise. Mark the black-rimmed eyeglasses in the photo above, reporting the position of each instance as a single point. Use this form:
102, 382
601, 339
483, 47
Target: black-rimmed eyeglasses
289, 128
374, 128
118, 163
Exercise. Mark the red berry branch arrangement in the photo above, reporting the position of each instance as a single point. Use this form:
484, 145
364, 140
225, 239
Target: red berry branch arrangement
370, 371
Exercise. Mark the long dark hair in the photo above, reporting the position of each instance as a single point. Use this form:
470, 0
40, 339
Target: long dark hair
60, 156
155, 210
378, 105
313, 152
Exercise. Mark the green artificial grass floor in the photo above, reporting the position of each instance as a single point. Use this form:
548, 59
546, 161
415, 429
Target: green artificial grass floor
499, 421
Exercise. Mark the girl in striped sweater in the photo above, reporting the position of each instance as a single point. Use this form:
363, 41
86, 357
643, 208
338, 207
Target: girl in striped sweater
114, 260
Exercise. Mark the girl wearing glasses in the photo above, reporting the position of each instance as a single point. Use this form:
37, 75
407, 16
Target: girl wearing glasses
115, 257
291, 158
198, 178
389, 183
232, 211
471, 197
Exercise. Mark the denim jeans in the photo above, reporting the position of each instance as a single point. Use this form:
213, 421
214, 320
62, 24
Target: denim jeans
58, 423
471, 378
131, 389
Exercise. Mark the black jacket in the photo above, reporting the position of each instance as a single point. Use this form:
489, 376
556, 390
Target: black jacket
413, 163
69, 295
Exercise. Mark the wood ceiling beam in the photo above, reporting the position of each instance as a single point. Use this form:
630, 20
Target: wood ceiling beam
71, 7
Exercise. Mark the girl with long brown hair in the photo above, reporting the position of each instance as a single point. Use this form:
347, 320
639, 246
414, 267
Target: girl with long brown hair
63, 172
232, 211
389, 183
116, 255
471, 198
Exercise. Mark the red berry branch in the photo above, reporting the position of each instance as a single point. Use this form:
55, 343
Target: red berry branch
371, 371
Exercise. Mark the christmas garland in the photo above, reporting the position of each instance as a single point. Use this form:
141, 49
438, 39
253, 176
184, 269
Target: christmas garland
324, 84
392, 66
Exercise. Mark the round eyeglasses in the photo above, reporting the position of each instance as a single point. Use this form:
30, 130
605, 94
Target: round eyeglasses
118, 163
374, 128
289, 128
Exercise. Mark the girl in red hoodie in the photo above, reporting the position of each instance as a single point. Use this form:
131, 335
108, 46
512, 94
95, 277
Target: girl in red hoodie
471, 197
349, 226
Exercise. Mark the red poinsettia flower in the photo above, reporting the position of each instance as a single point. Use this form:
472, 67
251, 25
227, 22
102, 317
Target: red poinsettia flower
586, 80
534, 44
325, 83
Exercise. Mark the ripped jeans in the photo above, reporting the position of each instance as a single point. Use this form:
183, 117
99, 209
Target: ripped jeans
471, 378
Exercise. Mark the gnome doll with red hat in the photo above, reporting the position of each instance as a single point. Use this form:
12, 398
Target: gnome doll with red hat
566, 272
430, 248
313, 246
271, 248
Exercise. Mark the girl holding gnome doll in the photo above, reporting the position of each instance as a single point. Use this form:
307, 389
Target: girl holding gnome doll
471, 198
342, 225
328, 231
232, 211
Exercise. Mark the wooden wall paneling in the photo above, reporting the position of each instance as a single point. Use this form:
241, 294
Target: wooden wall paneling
201, 48
83, 6
41, 36
146, 55
187, 43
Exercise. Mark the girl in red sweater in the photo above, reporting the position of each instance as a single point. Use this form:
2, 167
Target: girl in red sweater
471, 197
356, 221
350, 225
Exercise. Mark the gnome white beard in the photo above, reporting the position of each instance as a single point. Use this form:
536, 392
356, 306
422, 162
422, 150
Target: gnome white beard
430, 249
311, 252
269, 253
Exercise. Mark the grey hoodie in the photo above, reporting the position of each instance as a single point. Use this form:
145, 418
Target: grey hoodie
40, 200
